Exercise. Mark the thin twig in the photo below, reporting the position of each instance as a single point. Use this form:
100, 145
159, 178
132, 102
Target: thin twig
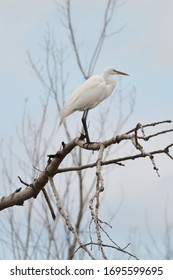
112, 247
71, 30
149, 124
49, 204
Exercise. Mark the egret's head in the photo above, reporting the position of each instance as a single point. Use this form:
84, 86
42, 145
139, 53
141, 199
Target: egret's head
112, 71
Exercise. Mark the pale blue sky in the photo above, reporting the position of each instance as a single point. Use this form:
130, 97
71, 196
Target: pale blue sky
144, 49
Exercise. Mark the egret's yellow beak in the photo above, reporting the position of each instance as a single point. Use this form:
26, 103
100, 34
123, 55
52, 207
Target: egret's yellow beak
120, 73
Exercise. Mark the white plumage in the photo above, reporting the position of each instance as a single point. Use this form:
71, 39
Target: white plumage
89, 94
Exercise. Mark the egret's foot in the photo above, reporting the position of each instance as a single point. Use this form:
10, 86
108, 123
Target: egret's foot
86, 145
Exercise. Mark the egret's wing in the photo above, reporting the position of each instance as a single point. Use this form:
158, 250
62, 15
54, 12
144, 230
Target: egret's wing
86, 96
89, 94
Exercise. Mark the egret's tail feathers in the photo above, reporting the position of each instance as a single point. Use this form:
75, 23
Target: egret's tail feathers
59, 125
62, 118
61, 121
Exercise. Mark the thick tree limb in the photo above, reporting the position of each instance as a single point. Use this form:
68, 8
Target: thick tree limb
18, 198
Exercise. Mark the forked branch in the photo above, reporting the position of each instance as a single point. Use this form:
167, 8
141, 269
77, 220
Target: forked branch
53, 164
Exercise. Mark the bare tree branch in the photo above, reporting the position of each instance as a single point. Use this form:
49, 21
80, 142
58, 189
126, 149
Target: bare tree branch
32, 190
123, 250
95, 210
67, 219
74, 40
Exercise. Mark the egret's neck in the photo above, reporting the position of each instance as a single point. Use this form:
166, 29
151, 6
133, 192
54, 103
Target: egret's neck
110, 82
109, 79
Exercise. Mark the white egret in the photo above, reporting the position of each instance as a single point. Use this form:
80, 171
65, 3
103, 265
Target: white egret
89, 94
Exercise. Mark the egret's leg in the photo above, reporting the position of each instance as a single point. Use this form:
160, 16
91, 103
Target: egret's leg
84, 117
